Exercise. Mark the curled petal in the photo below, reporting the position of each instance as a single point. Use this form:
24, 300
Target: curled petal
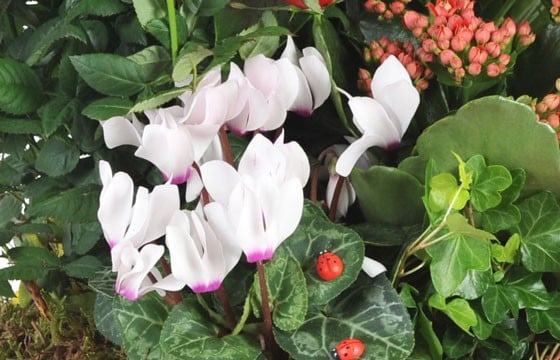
115, 207
119, 130
346, 198
372, 268
350, 156
317, 75
389, 72
220, 179
400, 100
371, 118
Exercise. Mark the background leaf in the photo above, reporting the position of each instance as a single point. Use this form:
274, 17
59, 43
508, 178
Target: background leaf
20, 89
57, 157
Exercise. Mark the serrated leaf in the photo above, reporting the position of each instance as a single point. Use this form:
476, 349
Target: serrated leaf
140, 325
314, 234
105, 320
105, 108
78, 204
546, 320
147, 10
539, 228
110, 74
20, 89
57, 157
10, 207
454, 256
188, 60
20, 126
80, 238
287, 291
22, 272
157, 100
357, 313
82, 267
266, 45
188, 333
33, 256
96, 8
153, 60
56, 112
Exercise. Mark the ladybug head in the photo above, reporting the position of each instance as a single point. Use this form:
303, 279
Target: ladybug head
334, 354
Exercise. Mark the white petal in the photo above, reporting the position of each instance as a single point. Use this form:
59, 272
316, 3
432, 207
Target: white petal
139, 219
346, 198
371, 118
292, 83
302, 103
219, 178
290, 209
218, 220
164, 201
194, 187
389, 72
119, 130
262, 74
318, 78
350, 156
201, 137
115, 207
261, 158
105, 172
250, 228
372, 268
400, 100
297, 163
276, 115
291, 52
131, 278
212, 78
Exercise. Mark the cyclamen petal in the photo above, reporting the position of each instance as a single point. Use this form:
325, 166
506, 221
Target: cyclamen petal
372, 268
120, 130
347, 160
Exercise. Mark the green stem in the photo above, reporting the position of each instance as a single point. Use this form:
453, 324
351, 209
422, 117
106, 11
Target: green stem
173, 30
213, 314
246, 312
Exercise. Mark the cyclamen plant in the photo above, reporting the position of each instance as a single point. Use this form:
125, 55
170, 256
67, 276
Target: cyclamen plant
198, 187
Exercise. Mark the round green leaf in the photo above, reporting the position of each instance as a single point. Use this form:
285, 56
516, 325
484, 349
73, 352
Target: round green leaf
188, 333
20, 89
505, 132
57, 157
372, 313
314, 234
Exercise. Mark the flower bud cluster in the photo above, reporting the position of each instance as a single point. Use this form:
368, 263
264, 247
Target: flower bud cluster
555, 10
465, 45
548, 109
380, 50
385, 10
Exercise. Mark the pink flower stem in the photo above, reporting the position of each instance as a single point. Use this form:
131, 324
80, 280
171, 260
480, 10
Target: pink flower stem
228, 311
336, 196
268, 336
226, 147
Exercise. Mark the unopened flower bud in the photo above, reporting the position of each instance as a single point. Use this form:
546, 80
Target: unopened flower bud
493, 70
553, 120
493, 49
474, 69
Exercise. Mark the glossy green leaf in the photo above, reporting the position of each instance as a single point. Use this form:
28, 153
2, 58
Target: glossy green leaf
528, 289
539, 228
105, 108
140, 324
489, 126
388, 195
154, 60
425, 330
461, 251
386, 235
57, 157
489, 181
56, 112
20, 89
20, 126
287, 291
105, 320
457, 343
110, 74
314, 234
458, 310
497, 303
502, 217
474, 285
188, 60
357, 313
546, 320
445, 192
147, 10
75, 205
95, 7
157, 100
483, 329
189, 333
83, 267
10, 207
80, 238
266, 45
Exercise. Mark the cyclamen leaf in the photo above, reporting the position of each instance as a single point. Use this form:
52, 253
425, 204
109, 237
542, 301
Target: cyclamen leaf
359, 313
110, 74
189, 334
104, 318
140, 325
539, 228
20, 89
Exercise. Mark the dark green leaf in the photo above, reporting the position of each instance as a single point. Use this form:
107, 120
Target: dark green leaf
157, 100
188, 333
56, 112
188, 60
474, 285
384, 193
110, 74
10, 207
314, 234
147, 10
502, 217
83, 267
105, 108
80, 238
386, 235
546, 320
539, 228
6, 289
488, 182
33, 256
425, 331
140, 325
105, 320
211, 7
498, 302
456, 343
20, 89
57, 157
75, 205
95, 7
154, 60
528, 288
22, 272
20, 126
358, 313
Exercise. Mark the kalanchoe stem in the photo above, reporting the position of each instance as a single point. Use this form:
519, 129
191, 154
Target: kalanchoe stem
228, 311
336, 196
269, 338
226, 147
172, 29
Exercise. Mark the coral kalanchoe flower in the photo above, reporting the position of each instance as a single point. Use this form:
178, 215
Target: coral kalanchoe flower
262, 202
200, 255
383, 119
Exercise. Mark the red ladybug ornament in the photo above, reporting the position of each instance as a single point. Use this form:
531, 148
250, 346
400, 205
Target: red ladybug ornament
349, 349
301, 5
329, 266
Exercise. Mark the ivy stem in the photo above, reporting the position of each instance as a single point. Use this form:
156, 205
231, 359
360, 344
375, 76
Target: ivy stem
269, 338
173, 30
226, 146
228, 311
336, 197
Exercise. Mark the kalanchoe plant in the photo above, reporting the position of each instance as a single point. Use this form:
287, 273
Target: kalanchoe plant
162, 165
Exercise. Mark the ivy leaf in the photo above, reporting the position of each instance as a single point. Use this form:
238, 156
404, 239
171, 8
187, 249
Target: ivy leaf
458, 310
445, 192
314, 234
287, 291
539, 228
428, 337
110, 74
502, 217
474, 285
105, 108
461, 251
528, 289
57, 157
20, 89
497, 302
56, 112
488, 182
357, 313
140, 324
188, 333
546, 320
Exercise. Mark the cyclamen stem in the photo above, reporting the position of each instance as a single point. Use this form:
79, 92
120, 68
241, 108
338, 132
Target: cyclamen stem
336, 197
228, 311
226, 147
269, 338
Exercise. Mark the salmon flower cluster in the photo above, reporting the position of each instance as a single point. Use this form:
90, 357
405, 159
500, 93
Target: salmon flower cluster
555, 10
548, 109
379, 51
386, 10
